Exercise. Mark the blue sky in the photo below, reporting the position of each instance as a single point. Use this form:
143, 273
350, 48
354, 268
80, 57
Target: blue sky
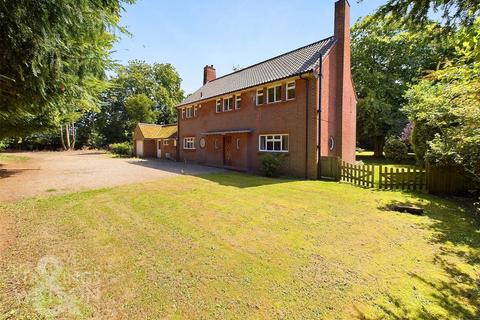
190, 34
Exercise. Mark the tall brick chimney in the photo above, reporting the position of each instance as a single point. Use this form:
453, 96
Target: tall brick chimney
209, 74
345, 95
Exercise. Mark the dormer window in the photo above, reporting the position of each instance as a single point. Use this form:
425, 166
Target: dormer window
274, 94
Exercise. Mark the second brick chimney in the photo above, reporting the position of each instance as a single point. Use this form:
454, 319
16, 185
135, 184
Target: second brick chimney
209, 74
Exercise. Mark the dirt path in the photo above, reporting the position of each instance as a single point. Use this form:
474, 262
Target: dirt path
47, 173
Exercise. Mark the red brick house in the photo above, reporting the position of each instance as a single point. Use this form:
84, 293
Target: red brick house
301, 104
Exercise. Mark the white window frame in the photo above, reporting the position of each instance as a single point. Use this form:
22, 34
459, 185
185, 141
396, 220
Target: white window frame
229, 103
262, 94
189, 112
189, 143
218, 106
183, 113
290, 86
273, 138
165, 142
195, 110
238, 101
275, 98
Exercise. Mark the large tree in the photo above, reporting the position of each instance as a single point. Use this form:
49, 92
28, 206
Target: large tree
417, 13
139, 92
386, 59
53, 56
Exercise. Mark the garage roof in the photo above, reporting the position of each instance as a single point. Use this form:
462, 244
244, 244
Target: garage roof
155, 131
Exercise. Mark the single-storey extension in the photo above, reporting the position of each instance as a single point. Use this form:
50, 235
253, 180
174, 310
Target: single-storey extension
155, 141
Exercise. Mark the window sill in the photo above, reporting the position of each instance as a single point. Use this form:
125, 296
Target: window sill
279, 152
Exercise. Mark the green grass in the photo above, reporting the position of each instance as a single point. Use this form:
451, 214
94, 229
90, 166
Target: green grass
367, 158
12, 158
239, 246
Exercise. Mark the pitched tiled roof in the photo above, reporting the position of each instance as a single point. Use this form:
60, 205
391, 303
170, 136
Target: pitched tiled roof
290, 64
155, 131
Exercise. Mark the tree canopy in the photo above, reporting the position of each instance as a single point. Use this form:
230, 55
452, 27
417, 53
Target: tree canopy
387, 58
453, 12
53, 56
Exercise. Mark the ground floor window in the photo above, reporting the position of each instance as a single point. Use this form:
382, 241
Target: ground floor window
189, 143
273, 143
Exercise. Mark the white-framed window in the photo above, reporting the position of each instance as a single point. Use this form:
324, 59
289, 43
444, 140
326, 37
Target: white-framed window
273, 143
291, 90
165, 142
228, 104
218, 107
238, 101
189, 112
259, 98
274, 94
189, 143
195, 110
183, 113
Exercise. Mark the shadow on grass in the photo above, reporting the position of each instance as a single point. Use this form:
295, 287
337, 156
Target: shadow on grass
220, 176
458, 232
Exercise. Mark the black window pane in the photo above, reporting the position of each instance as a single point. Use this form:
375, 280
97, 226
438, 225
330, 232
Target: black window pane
285, 143
271, 93
278, 93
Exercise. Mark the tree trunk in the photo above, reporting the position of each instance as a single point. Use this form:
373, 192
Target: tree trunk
67, 134
62, 140
378, 144
74, 136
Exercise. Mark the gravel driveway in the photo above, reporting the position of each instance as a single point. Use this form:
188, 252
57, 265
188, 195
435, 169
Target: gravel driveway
47, 173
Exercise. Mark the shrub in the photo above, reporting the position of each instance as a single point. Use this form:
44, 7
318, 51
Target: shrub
122, 149
395, 149
271, 164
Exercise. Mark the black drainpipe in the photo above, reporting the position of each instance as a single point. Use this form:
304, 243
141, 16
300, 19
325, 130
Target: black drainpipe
307, 88
320, 78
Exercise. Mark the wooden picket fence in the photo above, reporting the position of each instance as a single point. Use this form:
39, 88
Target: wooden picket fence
361, 175
402, 178
432, 179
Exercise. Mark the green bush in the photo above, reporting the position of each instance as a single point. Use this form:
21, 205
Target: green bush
122, 149
395, 149
271, 164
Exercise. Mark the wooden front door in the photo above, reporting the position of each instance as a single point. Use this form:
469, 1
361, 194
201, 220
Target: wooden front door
227, 150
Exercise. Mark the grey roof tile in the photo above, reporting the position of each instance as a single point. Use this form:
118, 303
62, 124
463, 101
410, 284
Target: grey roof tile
286, 65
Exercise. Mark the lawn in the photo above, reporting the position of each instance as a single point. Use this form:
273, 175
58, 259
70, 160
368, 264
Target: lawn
239, 246
367, 158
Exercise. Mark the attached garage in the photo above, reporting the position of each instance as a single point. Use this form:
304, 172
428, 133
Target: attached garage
155, 141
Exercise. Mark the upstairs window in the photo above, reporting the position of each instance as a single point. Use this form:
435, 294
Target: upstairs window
189, 112
189, 143
259, 98
290, 90
273, 143
219, 106
274, 94
238, 100
195, 111
228, 104
183, 113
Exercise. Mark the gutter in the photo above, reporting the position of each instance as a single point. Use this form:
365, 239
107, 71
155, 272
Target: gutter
319, 151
